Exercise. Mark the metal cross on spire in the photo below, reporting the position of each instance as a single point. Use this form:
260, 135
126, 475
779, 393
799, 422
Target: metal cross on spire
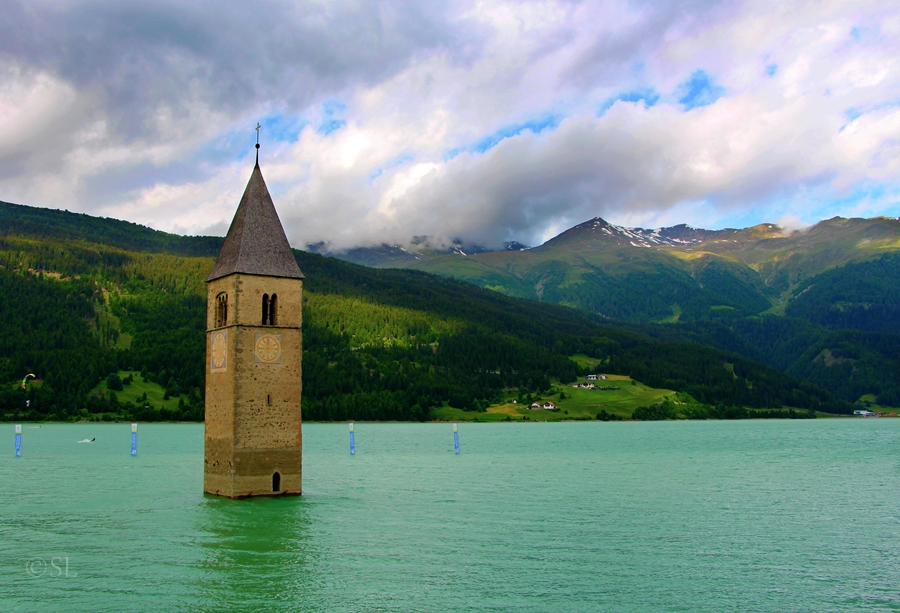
257, 142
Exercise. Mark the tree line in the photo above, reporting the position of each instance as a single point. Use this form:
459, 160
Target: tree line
378, 344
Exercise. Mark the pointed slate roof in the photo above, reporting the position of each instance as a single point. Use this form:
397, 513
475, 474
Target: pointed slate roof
256, 243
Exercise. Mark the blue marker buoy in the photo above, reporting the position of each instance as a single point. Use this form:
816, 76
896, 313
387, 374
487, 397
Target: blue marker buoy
18, 440
133, 439
456, 438
352, 442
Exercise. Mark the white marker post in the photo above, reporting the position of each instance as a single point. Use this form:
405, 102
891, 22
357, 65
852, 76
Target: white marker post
18, 440
133, 439
352, 442
456, 438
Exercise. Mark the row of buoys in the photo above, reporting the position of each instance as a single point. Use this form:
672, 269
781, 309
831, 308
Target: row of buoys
19, 440
134, 439
455, 439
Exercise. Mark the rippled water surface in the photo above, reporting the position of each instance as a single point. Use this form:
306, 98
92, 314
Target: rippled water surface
701, 516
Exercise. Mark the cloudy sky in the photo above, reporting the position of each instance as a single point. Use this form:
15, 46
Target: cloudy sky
487, 121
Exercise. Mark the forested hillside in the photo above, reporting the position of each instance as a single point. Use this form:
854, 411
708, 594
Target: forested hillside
379, 344
18, 220
805, 302
862, 296
46, 328
678, 273
848, 363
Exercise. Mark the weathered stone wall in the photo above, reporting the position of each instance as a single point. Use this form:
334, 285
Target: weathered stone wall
253, 414
267, 395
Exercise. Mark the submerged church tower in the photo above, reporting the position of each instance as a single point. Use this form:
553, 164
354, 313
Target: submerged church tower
253, 356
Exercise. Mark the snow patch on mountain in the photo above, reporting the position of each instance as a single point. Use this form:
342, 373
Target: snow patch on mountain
679, 235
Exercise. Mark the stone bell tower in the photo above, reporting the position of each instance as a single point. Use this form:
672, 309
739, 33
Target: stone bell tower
253, 356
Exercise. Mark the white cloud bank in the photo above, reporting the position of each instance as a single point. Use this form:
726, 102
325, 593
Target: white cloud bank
486, 121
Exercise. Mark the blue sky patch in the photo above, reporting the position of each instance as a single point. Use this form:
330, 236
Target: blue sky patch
699, 89
452, 153
281, 129
331, 120
855, 112
237, 143
867, 199
536, 126
771, 69
648, 96
333, 107
330, 125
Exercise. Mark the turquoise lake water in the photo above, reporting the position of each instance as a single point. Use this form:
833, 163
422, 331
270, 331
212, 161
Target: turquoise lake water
667, 516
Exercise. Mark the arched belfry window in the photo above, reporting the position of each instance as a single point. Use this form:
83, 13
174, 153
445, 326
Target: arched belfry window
221, 310
269, 309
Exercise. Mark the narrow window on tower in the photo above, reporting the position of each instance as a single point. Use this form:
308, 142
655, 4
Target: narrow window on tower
273, 309
265, 310
269, 399
221, 310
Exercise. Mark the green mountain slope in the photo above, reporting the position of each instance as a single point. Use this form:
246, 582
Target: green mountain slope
848, 363
379, 344
678, 273
836, 276
20, 220
863, 296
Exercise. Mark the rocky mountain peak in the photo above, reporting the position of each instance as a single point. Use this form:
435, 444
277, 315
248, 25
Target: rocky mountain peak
599, 230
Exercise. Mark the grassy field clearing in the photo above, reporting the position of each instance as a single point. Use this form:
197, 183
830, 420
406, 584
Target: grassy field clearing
869, 402
584, 361
575, 403
674, 317
137, 389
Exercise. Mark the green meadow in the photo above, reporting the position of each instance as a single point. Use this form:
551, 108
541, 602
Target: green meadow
573, 403
135, 391
870, 403
585, 361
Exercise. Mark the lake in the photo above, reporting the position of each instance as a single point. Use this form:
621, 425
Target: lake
767, 515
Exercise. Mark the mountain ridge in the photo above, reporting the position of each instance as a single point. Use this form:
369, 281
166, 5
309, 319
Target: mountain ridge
763, 261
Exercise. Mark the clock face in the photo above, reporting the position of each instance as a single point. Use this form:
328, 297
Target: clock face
219, 351
268, 348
